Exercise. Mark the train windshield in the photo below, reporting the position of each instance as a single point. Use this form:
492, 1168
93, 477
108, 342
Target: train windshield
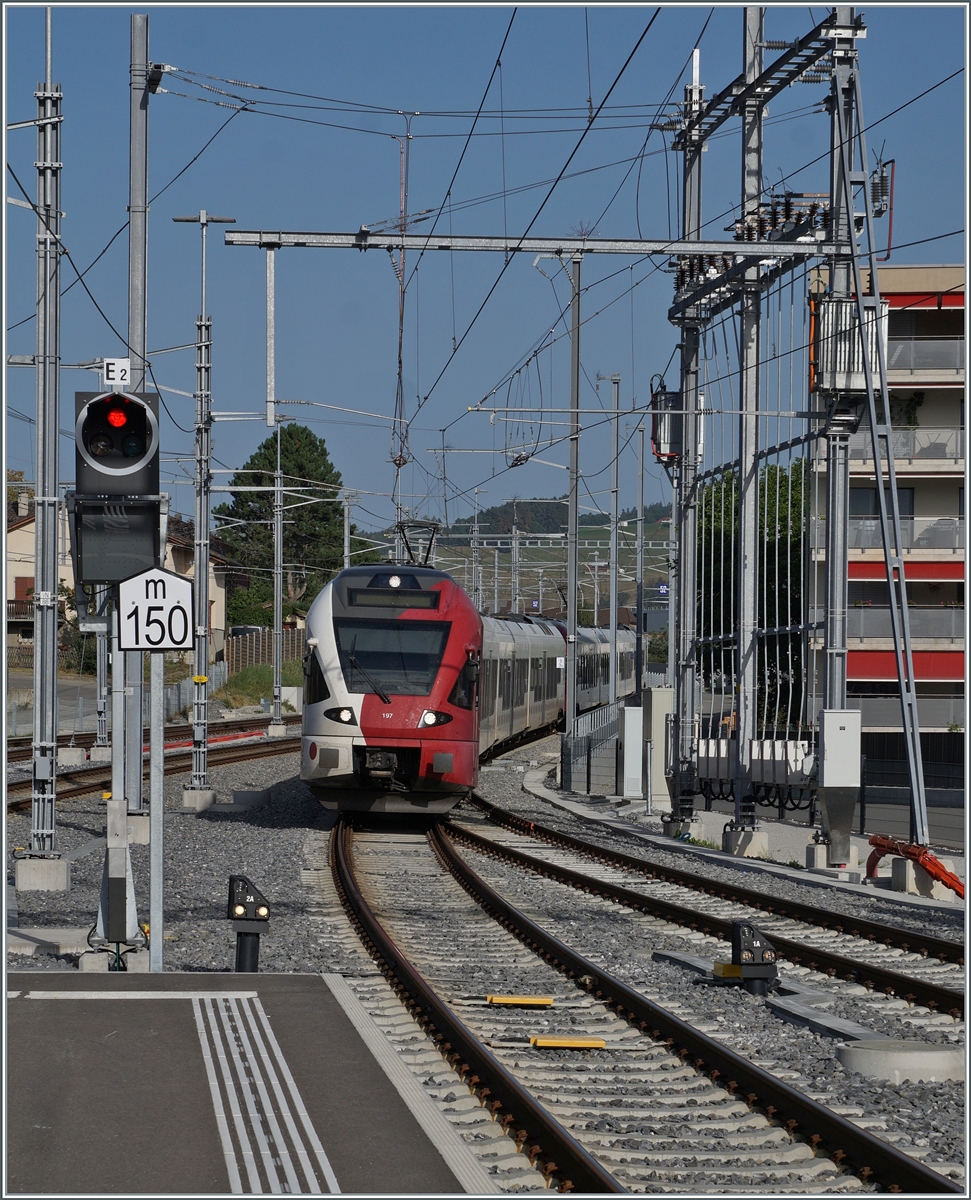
400, 658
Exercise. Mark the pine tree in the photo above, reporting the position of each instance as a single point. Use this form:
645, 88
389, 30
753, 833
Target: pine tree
313, 534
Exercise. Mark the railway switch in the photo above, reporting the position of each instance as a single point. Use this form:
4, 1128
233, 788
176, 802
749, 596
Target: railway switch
753, 962
249, 911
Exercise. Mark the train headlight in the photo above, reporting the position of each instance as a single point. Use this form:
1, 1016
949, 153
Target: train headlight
343, 716
429, 717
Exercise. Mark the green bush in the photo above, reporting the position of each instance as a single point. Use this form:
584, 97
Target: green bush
253, 684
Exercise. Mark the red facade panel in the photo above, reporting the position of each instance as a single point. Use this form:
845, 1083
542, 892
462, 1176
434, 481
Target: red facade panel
929, 665
925, 299
930, 572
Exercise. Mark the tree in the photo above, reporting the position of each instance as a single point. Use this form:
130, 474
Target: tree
313, 534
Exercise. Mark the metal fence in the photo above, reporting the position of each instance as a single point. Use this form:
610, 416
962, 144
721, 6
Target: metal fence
589, 761
256, 649
179, 697
21, 658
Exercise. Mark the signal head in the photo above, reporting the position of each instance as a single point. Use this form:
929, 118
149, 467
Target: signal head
117, 444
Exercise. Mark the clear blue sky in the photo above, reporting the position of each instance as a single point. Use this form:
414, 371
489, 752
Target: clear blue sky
337, 310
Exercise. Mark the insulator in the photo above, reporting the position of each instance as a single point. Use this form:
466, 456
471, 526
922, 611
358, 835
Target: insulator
725, 264
775, 45
750, 231
813, 210
774, 216
875, 190
787, 207
884, 187
763, 225
739, 231
679, 279
825, 218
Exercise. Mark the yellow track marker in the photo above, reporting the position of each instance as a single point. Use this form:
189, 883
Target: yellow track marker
569, 1043
723, 970
522, 1001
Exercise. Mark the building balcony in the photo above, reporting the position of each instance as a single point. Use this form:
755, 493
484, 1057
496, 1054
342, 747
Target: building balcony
933, 712
931, 534
925, 449
925, 357
20, 610
870, 622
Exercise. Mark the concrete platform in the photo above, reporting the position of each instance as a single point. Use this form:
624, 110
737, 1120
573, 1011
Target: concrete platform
787, 845
209, 1083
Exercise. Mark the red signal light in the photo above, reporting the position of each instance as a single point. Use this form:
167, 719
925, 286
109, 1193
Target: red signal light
117, 418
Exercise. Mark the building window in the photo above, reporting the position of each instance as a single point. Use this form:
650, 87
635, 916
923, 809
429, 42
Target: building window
863, 501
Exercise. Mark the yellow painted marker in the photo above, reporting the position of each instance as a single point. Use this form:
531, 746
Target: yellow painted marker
723, 970
522, 1001
568, 1043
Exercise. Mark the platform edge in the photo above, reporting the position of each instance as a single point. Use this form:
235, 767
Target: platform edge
460, 1160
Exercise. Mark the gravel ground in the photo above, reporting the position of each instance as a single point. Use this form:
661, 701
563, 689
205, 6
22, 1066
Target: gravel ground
201, 852
505, 789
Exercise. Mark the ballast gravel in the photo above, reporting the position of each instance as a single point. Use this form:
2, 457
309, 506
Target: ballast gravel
202, 850
503, 786
270, 844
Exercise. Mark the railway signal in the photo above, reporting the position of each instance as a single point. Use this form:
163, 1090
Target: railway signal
249, 911
116, 443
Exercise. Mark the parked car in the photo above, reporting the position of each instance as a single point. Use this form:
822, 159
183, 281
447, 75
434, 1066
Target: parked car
243, 630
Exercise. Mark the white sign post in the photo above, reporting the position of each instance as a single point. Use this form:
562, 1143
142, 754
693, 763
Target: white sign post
155, 611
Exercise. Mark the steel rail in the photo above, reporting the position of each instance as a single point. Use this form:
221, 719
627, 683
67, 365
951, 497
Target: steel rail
891, 983
873, 1160
908, 940
19, 748
18, 794
543, 1137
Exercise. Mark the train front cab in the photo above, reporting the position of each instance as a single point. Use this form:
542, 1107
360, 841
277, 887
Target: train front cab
418, 753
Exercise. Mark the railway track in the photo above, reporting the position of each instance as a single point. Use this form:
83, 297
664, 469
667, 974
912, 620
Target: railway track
19, 748
661, 1107
848, 957
177, 763
907, 940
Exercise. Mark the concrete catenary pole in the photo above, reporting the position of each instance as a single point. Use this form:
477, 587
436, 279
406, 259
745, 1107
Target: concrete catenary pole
639, 597
515, 569
276, 723
750, 316
573, 511
43, 834
684, 530
101, 667
199, 780
614, 517
843, 411
137, 332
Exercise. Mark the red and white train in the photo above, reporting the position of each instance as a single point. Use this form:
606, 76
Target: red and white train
406, 685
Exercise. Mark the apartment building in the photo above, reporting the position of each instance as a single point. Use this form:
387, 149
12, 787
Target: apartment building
925, 377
